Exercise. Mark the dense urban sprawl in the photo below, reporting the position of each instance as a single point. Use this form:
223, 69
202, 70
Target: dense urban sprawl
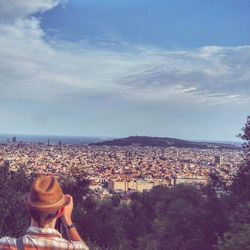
122, 169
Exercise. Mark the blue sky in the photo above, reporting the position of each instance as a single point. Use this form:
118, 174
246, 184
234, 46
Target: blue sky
174, 24
119, 68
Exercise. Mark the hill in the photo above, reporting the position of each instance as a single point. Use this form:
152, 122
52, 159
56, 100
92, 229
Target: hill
163, 142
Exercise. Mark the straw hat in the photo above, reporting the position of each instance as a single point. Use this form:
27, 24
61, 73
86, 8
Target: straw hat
45, 195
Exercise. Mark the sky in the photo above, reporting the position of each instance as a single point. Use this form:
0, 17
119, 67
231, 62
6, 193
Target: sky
177, 68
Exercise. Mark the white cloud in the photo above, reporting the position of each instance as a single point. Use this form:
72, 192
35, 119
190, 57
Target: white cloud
215, 75
13, 9
36, 68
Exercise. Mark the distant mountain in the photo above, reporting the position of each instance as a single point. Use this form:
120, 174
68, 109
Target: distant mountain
163, 142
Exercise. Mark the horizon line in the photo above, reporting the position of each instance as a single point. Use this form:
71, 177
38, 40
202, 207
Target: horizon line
117, 137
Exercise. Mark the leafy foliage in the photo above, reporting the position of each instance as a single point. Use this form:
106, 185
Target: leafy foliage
241, 182
238, 237
13, 186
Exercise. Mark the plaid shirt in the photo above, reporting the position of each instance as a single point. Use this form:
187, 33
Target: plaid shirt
44, 239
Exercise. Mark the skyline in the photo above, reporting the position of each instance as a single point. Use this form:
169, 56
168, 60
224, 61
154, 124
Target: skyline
87, 68
76, 139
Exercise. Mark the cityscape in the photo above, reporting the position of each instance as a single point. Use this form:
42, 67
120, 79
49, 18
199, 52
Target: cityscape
122, 169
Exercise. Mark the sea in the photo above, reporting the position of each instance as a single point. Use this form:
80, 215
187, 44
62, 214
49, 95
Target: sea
80, 140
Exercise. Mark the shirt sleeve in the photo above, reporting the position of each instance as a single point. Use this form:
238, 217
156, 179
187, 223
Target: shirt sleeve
7, 243
79, 245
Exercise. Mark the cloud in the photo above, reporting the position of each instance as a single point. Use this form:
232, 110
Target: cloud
13, 9
209, 74
36, 67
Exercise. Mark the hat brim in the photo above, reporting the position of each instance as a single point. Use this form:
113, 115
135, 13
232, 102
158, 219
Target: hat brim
46, 207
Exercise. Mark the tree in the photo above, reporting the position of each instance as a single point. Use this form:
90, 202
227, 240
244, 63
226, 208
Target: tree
238, 237
246, 137
14, 218
236, 240
241, 182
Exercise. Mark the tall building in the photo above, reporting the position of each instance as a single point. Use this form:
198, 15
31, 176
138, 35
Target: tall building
218, 159
163, 153
129, 155
60, 145
14, 139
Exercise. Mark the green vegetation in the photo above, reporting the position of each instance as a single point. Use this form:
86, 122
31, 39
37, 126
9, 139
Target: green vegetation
163, 142
179, 218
